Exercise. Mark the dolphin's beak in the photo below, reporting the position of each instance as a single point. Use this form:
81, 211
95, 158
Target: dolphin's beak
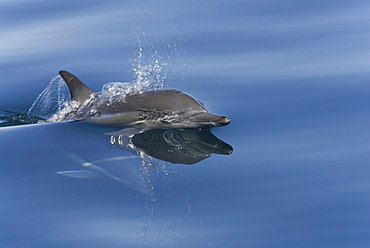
211, 120
223, 120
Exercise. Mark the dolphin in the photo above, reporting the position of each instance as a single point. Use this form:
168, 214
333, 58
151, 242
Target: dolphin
165, 108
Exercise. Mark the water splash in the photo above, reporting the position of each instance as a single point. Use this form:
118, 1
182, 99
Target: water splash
51, 100
149, 70
67, 112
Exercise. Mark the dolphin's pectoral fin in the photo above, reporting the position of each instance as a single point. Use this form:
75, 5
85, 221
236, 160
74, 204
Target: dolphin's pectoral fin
87, 174
79, 91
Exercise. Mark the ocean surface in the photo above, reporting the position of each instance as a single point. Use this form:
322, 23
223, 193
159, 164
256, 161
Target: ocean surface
292, 168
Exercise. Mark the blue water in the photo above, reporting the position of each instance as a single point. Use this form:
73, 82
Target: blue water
293, 77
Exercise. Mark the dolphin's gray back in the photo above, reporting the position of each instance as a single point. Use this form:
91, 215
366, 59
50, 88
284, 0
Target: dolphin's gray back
79, 91
174, 101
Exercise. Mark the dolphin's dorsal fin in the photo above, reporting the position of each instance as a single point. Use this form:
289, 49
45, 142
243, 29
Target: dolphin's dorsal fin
79, 91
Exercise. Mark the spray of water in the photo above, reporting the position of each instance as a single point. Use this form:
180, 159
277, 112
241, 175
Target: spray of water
51, 100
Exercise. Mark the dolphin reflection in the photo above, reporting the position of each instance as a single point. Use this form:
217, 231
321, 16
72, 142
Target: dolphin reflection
178, 146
